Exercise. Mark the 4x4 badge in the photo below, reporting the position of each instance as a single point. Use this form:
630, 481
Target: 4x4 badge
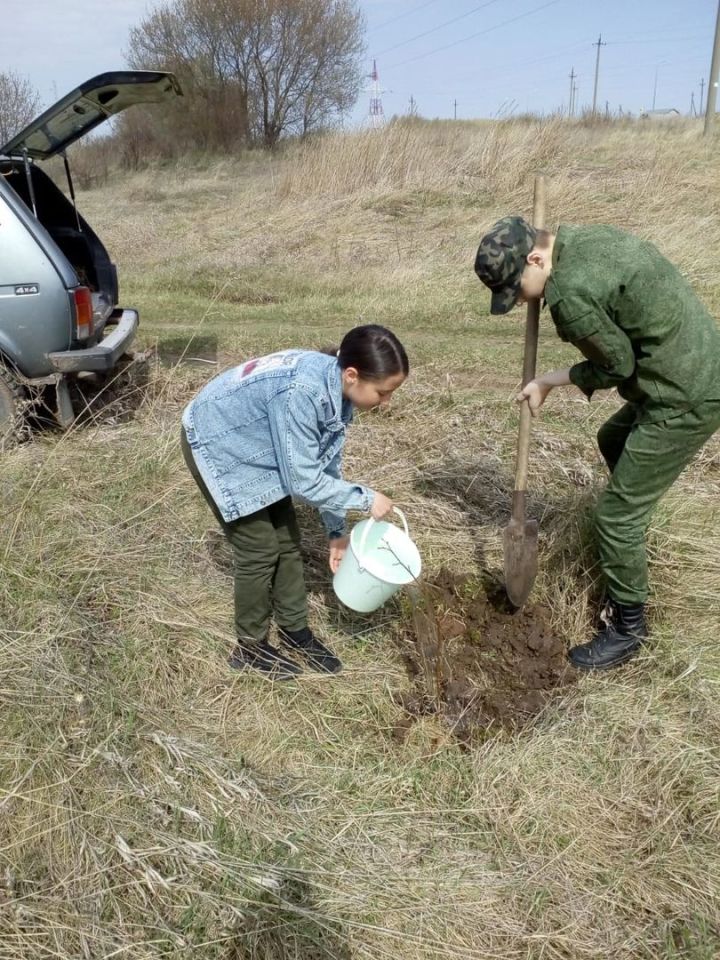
25, 288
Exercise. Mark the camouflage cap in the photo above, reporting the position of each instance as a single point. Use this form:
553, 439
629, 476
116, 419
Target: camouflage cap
501, 259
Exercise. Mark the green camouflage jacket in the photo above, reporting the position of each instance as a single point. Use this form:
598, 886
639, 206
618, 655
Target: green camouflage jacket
636, 320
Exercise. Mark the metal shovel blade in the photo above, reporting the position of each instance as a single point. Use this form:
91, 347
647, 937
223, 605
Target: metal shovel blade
520, 551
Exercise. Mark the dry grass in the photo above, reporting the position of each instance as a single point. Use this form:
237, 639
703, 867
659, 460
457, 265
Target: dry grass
153, 805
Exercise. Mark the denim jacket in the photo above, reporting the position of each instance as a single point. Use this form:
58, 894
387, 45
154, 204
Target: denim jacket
275, 427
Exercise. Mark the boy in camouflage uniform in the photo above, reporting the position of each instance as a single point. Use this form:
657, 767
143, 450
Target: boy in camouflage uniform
641, 329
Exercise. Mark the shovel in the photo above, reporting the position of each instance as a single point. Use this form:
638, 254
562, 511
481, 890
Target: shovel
520, 536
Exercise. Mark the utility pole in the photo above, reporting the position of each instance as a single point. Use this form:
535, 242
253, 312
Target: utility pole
454, 109
692, 104
655, 88
702, 87
713, 78
413, 107
597, 70
571, 105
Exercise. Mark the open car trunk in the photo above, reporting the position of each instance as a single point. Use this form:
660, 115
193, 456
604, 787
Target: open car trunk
84, 108
77, 240
62, 124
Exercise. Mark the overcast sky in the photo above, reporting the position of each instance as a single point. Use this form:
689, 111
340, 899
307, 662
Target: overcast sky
494, 57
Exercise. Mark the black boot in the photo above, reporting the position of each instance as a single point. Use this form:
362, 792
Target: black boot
316, 653
623, 632
264, 658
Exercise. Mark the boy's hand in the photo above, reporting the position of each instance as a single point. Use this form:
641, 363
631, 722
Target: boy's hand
535, 393
381, 506
338, 546
537, 390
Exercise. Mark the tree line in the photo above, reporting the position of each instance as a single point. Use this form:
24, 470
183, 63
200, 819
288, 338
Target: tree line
252, 72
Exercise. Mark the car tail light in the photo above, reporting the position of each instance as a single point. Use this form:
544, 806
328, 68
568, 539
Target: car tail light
84, 323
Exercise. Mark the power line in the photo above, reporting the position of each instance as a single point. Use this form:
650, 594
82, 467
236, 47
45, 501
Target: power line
612, 82
400, 16
624, 43
447, 23
625, 67
473, 36
668, 28
558, 55
609, 71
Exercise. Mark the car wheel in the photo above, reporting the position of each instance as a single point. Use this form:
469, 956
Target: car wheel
11, 410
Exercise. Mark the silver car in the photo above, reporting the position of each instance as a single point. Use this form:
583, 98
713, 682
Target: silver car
59, 313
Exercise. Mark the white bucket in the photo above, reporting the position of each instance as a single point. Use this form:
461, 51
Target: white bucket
380, 559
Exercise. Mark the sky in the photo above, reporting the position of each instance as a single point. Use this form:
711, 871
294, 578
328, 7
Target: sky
444, 58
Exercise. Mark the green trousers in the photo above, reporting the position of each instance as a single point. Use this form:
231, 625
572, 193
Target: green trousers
268, 565
644, 459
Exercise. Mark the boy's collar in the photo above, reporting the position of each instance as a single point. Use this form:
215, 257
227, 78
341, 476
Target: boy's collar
552, 295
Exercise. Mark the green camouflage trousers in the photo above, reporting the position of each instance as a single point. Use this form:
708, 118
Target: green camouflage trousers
644, 459
269, 575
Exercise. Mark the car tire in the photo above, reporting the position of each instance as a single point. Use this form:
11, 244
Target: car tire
12, 419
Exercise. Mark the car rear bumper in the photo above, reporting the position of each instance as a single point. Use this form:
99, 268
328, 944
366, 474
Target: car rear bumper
104, 355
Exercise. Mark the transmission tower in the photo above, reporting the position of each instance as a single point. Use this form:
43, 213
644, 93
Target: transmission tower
376, 114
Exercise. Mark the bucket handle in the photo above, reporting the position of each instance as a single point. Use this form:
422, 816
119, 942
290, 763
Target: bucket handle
366, 531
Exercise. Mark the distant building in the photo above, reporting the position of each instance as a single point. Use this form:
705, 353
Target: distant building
668, 113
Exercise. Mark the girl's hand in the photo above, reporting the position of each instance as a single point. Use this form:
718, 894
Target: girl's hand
338, 546
381, 506
535, 393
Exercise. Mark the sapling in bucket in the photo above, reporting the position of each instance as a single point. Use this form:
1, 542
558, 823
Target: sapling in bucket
379, 560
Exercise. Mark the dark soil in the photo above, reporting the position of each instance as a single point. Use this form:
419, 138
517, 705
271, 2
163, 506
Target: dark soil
475, 663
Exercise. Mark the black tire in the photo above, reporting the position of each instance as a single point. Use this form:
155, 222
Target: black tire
12, 419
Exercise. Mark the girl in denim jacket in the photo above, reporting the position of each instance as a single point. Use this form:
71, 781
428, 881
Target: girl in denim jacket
263, 433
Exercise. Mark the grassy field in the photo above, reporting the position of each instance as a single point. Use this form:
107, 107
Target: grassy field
155, 804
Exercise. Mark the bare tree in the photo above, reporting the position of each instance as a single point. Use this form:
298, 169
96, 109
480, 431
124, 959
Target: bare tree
254, 70
19, 104
306, 60
190, 37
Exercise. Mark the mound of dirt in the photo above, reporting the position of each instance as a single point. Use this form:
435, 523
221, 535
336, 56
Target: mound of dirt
476, 664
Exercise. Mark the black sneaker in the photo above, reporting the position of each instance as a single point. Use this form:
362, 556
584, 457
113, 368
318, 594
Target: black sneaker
265, 659
623, 633
317, 654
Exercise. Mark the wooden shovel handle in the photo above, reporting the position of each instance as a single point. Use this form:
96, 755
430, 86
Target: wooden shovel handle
529, 363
